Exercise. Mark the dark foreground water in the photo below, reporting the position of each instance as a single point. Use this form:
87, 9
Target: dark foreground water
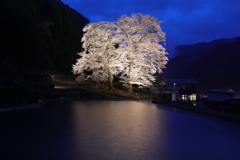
121, 130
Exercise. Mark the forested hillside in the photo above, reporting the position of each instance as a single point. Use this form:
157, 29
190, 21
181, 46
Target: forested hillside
215, 64
38, 36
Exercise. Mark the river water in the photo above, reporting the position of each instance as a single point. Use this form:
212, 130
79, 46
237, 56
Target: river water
116, 130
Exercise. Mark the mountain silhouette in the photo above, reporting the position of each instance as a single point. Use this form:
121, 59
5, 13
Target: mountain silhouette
214, 64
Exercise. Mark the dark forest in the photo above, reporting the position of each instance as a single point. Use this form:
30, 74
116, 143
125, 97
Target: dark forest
37, 37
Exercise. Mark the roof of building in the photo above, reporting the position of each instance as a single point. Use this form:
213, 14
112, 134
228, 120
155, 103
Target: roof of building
179, 80
165, 88
171, 88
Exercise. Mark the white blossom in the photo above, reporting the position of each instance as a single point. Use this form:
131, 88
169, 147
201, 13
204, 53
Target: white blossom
129, 48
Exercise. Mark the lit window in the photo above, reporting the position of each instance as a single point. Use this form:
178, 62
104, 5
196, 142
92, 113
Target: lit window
193, 97
184, 97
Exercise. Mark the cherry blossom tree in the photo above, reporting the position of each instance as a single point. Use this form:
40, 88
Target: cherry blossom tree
144, 54
129, 48
99, 61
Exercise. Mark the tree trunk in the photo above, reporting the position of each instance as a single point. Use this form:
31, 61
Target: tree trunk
110, 83
130, 88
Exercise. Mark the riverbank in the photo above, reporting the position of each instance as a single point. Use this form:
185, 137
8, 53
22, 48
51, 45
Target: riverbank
16, 96
41, 103
83, 92
201, 110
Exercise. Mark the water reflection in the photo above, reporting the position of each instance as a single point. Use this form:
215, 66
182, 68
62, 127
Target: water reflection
129, 130
140, 130
116, 129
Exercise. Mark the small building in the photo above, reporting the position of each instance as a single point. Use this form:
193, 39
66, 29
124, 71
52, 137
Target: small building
217, 95
176, 89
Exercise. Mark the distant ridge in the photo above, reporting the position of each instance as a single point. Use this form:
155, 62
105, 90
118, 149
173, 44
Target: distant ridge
214, 64
181, 50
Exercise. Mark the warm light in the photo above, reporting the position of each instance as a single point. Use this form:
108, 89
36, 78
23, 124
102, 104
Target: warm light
193, 97
184, 97
62, 87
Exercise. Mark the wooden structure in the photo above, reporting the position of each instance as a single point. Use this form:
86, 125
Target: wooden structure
176, 89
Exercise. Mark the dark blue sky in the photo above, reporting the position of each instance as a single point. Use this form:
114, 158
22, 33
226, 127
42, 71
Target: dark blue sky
185, 21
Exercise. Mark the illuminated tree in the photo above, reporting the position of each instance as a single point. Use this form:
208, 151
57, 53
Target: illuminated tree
100, 60
129, 48
144, 54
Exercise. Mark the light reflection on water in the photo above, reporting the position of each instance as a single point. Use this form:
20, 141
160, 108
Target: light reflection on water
140, 130
109, 130
116, 129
